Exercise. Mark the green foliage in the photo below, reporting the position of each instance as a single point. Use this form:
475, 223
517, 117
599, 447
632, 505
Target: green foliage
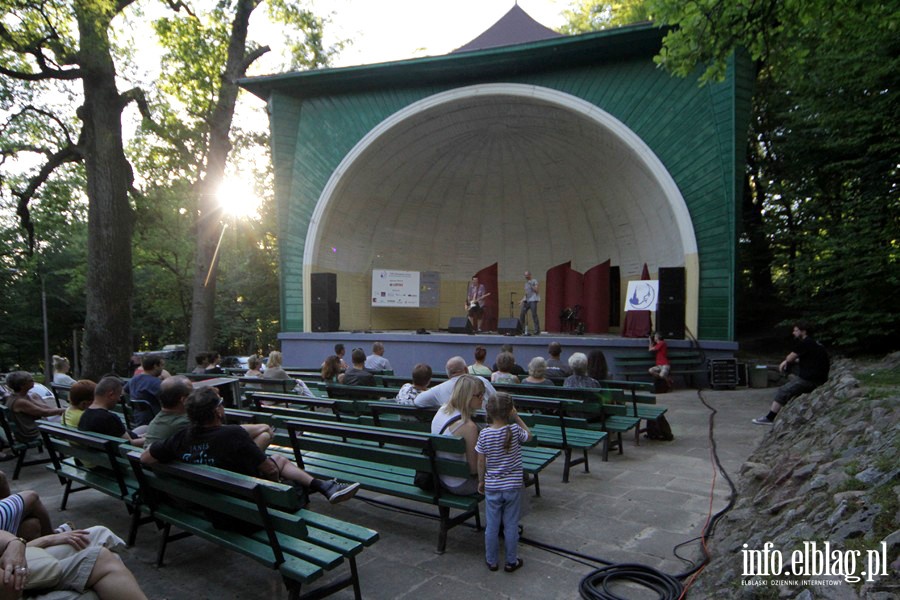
583, 16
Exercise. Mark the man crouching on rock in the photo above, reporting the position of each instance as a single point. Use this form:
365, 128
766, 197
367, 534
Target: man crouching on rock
812, 363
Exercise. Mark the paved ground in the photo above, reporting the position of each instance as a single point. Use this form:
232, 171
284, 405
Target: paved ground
634, 508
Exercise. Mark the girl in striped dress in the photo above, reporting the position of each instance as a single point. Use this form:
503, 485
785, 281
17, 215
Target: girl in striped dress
500, 478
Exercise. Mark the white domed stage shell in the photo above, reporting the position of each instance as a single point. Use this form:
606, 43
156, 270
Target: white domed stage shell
521, 174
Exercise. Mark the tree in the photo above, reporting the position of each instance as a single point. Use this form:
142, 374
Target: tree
53, 41
206, 58
821, 213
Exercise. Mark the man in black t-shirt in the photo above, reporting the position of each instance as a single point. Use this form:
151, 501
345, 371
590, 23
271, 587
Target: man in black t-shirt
99, 418
813, 365
208, 442
357, 374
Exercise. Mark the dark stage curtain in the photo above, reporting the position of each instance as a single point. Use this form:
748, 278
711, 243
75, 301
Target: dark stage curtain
488, 278
554, 295
595, 309
637, 322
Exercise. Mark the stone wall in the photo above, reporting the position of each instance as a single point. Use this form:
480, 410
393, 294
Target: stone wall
829, 471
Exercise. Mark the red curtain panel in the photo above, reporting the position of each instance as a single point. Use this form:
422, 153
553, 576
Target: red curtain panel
553, 294
595, 309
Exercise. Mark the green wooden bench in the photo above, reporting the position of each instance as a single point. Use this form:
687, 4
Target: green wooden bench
640, 398
553, 428
686, 363
385, 461
18, 445
534, 458
260, 519
377, 414
61, 392
360, 392
92, 461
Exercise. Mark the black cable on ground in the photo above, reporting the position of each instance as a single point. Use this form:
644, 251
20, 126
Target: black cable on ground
598, 585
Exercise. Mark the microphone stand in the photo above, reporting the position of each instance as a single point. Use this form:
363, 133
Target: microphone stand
512, 304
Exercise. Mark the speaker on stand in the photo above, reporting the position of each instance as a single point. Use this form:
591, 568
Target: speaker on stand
509, 327
459, 325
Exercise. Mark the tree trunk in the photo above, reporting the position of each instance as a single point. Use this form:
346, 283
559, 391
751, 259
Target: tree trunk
107, 339
208, 228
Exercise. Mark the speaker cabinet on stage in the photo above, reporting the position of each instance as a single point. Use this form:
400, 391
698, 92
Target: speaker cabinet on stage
459, 325
324, 287
326, 316
509, 327
670, 320
671, 285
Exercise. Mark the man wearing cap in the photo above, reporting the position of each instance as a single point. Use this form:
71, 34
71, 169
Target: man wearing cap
209, 442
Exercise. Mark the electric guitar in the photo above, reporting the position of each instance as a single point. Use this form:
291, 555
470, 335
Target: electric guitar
476, 303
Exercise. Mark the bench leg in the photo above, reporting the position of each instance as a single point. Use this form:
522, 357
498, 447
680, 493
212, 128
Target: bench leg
163, 540
537, 486
605, 452
65, 498
637, 434
19, 463
357, 592
445, 526
586, 469
568, 455
619, 441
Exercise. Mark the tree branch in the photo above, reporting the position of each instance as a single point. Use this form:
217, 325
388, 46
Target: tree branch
138, 96
178, 6
68, 154
250, 57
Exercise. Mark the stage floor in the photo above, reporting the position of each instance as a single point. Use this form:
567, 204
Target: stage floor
404, 348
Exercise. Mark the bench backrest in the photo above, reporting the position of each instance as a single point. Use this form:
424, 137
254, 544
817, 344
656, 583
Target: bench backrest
390, 447
93, 450
360, 392
234, 498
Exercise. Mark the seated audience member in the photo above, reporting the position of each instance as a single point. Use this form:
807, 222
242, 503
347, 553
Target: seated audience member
597, 367
66, 565
143, 390
173, 417
274, 370
376, 362
61, 371
253, 365
208, 441
213, 367
478, 367
202, 360
516, 369
455, 418
81, 395
331, 369
357, 374
439, 395
421, 377
23, 513
505, 363
339, 351
556, 367
579, 377
24, 409
99, 418
537, 368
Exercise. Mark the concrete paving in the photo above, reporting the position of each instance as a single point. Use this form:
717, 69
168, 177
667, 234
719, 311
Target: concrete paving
634, 508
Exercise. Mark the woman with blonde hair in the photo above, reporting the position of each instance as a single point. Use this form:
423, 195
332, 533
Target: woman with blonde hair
455, 418
61, 371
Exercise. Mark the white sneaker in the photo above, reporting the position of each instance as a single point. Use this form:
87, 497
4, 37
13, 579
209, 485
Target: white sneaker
763, 421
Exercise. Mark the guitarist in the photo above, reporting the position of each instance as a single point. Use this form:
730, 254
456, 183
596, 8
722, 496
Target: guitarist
475, 296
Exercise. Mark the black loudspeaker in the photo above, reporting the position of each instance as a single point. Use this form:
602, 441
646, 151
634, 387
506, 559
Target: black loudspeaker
670, 320
509, 327
324, 287
326, 316
671, 284
459, 325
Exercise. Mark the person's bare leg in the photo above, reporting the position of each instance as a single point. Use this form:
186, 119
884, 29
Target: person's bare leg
288, 470
111, 580
35, 508
260, 434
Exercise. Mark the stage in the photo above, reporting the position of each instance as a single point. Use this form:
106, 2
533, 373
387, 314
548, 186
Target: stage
405, 349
